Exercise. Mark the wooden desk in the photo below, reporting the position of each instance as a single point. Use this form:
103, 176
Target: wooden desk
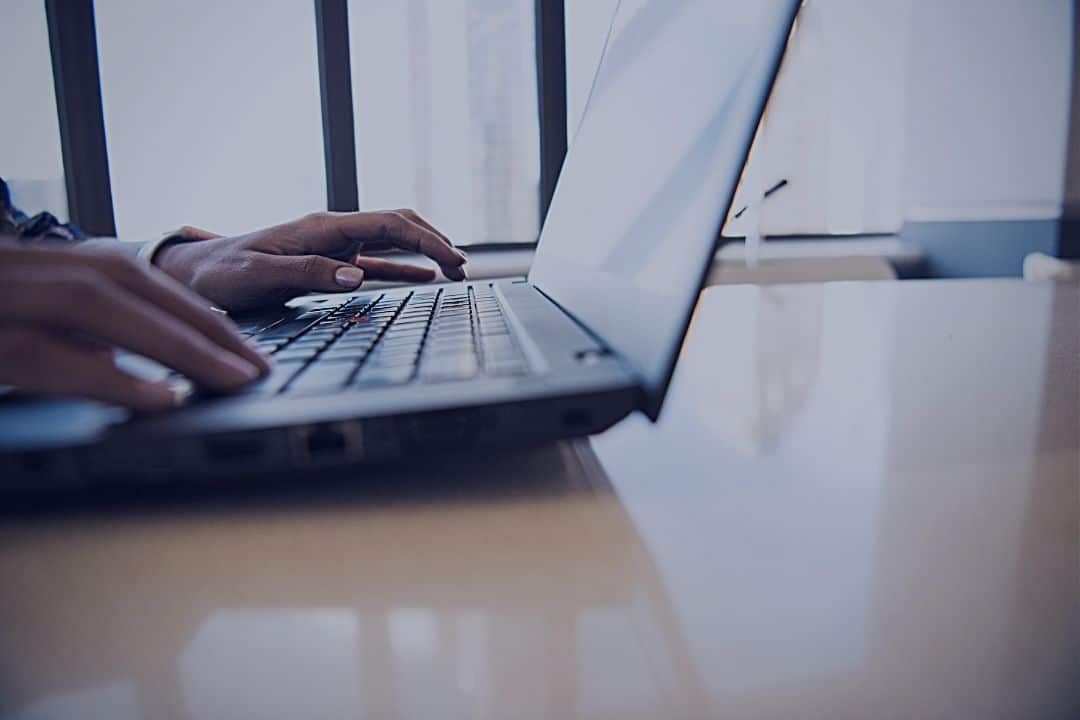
863, 500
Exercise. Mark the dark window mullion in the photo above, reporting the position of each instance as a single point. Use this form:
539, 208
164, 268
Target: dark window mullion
77, 82
551, 94
335, 89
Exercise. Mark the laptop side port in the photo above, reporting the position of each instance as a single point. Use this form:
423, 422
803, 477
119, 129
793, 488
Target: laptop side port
329, 443
234, 449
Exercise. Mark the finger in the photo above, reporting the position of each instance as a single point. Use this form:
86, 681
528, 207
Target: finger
453, 272
187, 232
82, 300
153, 286
395, 229
376, 269
157, 287
308, 273
419, 220
41, 363
172, 296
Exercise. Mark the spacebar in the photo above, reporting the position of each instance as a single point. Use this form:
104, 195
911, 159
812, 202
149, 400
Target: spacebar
323, 376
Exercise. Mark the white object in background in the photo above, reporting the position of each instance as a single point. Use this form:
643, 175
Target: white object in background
755, 196
836, 123
918, 110
989, 109
1039, 266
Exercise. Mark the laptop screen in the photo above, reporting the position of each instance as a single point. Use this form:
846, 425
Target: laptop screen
652, 170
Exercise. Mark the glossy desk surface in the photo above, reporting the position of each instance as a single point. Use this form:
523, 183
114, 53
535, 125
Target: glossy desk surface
863, 500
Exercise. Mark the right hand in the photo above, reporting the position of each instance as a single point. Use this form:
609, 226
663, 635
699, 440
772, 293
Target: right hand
64, 311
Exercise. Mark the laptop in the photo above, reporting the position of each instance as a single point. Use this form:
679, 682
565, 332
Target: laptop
590, 336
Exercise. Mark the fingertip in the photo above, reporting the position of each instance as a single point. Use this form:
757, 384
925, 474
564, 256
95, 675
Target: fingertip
236, 371
151, 396
261, 361
455, 273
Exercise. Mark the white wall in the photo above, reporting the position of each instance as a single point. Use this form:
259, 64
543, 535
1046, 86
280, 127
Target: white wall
212, 113
894, 110
988, 118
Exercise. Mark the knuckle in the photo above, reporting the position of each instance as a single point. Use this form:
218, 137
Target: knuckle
316, 221
307, 264
396, 226
247, 264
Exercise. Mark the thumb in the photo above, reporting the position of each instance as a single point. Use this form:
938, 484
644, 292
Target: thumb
311, 273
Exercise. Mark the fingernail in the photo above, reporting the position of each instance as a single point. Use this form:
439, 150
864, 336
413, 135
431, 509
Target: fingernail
180, 390
349, 277
155, 396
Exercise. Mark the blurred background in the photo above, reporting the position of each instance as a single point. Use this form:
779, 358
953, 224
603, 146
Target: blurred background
888, 114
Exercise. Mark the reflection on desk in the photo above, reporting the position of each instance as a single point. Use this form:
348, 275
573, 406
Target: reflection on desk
862, 500
399, 603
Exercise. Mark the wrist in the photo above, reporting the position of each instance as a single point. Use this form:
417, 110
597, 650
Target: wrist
172, 257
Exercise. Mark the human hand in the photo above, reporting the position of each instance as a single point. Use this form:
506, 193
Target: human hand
64, 311
321, 252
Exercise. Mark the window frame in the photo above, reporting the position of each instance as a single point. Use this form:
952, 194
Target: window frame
77, 81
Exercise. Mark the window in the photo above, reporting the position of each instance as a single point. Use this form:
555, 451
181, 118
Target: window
445, 108
30, 152
211, 113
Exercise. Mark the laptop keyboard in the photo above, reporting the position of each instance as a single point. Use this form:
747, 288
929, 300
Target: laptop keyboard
431, 335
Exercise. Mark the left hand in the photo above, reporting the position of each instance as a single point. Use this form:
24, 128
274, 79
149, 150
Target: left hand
321, 252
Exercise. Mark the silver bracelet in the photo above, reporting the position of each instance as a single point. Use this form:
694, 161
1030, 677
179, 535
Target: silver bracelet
148, 251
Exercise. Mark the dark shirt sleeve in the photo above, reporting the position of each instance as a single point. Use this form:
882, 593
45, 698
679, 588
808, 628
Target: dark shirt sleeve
45, 229
41, 228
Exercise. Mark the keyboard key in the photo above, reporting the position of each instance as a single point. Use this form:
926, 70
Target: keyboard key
457, 368
362, 348
372, 375
410, 325
443, 348
315, 343
287, 329
393, 356
354, 353
277, 378
322, 376
395, 332
295, 353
